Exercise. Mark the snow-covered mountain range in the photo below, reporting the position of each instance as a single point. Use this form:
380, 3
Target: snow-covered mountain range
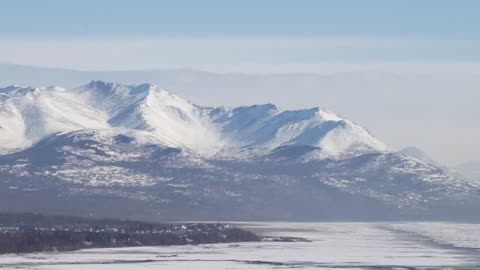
153, 154
154, 115
470, 169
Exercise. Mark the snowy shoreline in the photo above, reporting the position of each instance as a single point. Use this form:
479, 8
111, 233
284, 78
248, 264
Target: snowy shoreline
26, 233
333, 245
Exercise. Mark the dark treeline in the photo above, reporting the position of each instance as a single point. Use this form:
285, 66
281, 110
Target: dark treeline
33, 233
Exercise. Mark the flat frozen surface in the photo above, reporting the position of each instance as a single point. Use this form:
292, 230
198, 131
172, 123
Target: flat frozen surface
344, 245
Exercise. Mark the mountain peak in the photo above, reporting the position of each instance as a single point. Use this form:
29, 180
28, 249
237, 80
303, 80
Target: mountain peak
325, 114
419, 154
112, 88
145, 88
18, 90
99, 84
176, 122
10, 88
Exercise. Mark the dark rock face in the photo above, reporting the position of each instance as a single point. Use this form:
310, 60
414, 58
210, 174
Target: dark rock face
35, 233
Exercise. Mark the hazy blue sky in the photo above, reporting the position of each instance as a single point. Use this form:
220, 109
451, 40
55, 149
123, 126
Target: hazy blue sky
156, 18
259, 36
430, 41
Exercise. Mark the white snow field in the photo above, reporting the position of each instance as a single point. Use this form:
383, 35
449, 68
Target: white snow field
29, 114
342, 245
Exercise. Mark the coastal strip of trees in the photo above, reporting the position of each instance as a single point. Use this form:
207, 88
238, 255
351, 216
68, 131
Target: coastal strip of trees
20, 233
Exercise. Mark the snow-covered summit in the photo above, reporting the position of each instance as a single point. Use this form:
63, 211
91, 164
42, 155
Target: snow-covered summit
27, 115
151, 152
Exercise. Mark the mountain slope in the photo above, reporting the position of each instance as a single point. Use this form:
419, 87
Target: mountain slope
40, 112
117, 150
418, 154
30, 114
470, 169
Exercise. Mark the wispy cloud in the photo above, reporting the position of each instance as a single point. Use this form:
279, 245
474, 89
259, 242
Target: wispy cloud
280, 54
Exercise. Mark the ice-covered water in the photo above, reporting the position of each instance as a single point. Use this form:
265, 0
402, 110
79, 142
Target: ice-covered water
344, 245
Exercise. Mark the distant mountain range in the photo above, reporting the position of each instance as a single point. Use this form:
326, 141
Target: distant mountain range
470, 169
138, 151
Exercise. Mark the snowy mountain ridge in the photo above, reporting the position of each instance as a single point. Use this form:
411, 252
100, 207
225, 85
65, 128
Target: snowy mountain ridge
138, 151
28, 115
